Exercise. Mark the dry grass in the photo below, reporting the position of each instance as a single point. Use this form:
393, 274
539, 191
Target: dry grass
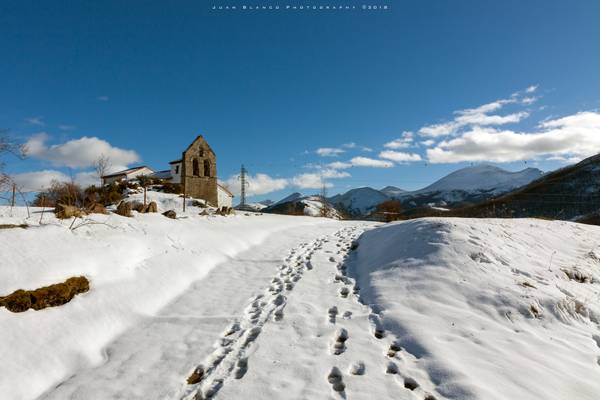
12, 226
47, 296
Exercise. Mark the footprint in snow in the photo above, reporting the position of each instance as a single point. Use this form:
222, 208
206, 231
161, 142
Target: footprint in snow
376, 326
252, 335
339, 345
357, 368
391, 368
332, 313
410, 383
344, 292
241, 367
336, 381
394, 348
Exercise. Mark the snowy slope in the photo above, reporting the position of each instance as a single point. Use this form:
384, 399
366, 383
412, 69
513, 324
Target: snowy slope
361, 201
482, 178
312, 206
287, 199
135, 265
392, 191
487, 309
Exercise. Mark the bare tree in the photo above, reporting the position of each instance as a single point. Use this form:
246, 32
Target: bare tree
102, 165
144, 181
9, 146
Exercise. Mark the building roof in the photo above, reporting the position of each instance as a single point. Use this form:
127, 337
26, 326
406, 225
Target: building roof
126, 171
176, 161
200, 137
225, 189
166, 174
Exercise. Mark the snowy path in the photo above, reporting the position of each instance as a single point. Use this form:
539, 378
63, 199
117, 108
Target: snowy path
153, 359
311, 340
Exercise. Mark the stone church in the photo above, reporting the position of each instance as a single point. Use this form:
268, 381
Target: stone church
197, 172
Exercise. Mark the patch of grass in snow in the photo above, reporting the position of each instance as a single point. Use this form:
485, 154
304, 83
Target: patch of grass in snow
578, 276
47, 296
12, 226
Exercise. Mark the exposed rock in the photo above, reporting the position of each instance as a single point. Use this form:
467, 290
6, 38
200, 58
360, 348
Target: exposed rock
170, 214
63, 211
124, 209
96, 208
47, 296
198, 203
138, 206
152, 207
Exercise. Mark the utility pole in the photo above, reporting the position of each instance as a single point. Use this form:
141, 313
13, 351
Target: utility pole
14, 189
243, 182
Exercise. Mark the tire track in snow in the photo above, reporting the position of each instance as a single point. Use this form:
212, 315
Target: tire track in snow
230, 359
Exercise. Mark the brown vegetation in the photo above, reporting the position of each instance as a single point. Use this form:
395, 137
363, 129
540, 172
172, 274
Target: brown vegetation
389, 210
47, 296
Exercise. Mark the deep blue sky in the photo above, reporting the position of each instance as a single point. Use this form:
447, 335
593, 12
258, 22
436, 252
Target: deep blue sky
265, 87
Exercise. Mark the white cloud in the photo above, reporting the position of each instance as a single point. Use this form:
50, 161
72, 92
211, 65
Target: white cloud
339, 165
102, 98
482, 116
406, 140
334, 174
329, 151
350, 145
531, 89
428, 142
360, 162
370, 162
366, 149
399, 157
573, 137
37, 181
78, 153
257, 184
309, 181
39, 121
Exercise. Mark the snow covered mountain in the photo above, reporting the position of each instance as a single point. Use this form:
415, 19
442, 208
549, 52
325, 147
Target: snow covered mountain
465, 186
291, 197
296, 204
392, 191
568, 193
482, 178
361, 201
469, 185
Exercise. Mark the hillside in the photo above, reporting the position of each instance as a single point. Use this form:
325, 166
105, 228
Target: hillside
469, 185
296, 204
486, 309
568, 193
357, 202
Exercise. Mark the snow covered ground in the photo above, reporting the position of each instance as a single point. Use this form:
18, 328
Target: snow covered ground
488, 309
136, 267
276, 307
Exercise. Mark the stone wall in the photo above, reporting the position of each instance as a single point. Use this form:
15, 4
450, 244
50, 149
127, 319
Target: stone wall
199, 171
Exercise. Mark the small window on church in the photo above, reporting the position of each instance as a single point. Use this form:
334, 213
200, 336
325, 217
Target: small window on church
201, 152
206, 168
195, 167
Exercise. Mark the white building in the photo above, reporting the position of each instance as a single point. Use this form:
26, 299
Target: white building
176, 171
224, 196
126, 175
